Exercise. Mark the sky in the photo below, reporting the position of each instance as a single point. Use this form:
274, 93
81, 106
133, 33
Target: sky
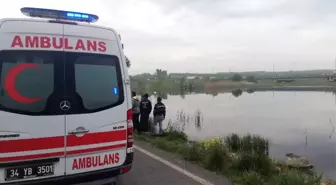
213, 35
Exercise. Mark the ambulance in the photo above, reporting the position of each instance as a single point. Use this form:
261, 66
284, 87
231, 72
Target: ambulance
65, 100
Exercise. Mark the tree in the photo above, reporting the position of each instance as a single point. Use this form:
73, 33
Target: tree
182, 84
251, 79
161, 74
236, 77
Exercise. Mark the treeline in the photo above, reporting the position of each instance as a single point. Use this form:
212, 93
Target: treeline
162, 82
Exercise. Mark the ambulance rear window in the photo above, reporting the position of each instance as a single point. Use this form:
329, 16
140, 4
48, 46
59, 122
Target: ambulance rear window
98, 80
27, 79
36, 82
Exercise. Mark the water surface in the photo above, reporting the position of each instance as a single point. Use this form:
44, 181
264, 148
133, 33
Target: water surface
297, 122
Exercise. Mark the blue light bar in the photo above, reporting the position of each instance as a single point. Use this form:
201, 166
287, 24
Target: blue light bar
59, 14
115, 90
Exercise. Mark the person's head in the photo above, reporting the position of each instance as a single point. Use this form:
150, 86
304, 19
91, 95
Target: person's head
133, 93
145, 96
159, 99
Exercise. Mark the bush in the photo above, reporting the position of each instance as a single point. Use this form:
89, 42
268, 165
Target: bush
232, 142
251, 79
250, 165
211, 143
251, 178
194, 152
175, 131
294, 177
248, 162
248, 143
237, 77
216, 156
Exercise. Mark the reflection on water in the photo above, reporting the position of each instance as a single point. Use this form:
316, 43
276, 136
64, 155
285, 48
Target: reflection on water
237, 93
295, 122
332, 130
196, 119
250, 91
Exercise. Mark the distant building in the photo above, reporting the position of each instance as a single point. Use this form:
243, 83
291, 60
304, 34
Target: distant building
212, 78
191, 77
332, 77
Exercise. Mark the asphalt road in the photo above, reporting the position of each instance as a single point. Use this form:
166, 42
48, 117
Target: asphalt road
148, 171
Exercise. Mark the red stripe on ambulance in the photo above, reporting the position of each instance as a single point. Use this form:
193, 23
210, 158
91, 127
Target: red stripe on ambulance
60, 154
57, 43
22, 145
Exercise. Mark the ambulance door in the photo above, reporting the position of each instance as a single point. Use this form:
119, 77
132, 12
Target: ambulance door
32, 128
96, 121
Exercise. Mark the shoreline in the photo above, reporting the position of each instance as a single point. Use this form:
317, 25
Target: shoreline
297, 88
255, 88
243, 160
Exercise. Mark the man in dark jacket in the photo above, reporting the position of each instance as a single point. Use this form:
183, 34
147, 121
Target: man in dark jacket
145, 110
159, 114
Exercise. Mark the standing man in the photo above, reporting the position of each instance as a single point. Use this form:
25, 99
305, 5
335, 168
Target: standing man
145, 110
136, 111
159, 114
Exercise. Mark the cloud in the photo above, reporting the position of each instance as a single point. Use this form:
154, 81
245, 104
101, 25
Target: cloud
216, 35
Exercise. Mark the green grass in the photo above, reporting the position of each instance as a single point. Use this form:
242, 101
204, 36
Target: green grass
243, 159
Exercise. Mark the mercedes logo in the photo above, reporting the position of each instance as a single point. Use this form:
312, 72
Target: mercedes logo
65, 105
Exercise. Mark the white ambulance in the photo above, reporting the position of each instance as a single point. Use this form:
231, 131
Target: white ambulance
65, 100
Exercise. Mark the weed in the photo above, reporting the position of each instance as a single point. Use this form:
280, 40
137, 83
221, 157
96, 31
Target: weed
216, 157
233, 142
294, 177
251, 178
250, 165
194, 152
175, 131
248, 143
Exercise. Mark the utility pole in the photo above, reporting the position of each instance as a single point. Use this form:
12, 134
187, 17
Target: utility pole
335, 66
273, 73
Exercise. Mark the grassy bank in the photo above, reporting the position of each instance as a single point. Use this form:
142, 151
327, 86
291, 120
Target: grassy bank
243, 159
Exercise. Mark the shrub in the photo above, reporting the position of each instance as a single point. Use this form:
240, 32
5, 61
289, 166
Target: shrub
254, 162
255, 144
251, 79
248, 143
237, 77
175, 131
294, 177
194, 152
232, 142
216, 157
211, 143
250, 166
251, 178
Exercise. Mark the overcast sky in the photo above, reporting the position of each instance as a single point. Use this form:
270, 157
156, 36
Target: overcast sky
213, 35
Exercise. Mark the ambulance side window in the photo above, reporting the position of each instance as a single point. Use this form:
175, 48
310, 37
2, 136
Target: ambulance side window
27, 80
98, 81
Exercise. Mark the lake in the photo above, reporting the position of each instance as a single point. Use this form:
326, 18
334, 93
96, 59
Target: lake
296, 122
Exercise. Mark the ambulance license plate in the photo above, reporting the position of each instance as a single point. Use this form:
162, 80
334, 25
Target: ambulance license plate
31, 171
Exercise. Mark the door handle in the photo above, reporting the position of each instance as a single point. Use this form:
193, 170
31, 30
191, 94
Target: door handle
78, 132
